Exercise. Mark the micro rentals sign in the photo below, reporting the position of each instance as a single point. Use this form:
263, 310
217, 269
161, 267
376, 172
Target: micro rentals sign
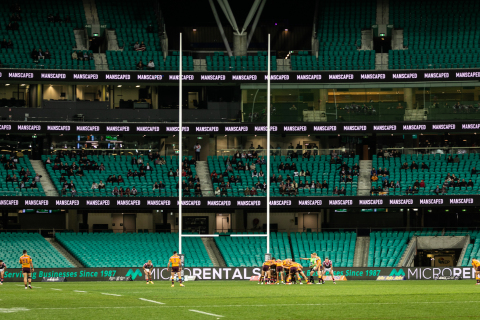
240, 273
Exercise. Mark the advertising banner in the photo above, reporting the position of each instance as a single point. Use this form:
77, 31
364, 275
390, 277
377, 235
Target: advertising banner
243, 128
160, 77
298, 203
240, 273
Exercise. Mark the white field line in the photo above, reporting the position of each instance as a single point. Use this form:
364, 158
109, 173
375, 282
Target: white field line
56, 289
112, 294
79, 291
158, 302
208, 314
269, 305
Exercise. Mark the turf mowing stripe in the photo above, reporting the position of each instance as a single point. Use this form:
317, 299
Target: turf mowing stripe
112, 294
208, 314
150, 301
266, 305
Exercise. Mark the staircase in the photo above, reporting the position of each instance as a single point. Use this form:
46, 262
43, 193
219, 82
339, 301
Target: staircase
367, 39
81, 39
205, 181
381, 61
364, 182
213, 251
361, 252
397, 40
47, 184
112, 40
91, 14
464, 250
408, 255
64, 253
100, 61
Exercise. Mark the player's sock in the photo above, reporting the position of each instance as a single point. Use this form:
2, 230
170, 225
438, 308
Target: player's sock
173, 281
180, 280
1, 280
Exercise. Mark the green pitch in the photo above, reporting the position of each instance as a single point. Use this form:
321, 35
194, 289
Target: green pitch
241, 300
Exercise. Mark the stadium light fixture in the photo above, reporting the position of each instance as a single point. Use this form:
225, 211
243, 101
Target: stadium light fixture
7, 84
119, 86
138, 86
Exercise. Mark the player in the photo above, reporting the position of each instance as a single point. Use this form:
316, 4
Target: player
272, 273
27, 269
328, 267
265, 272
175, 261
299, 272
287, 264
280, 271
476, 266
3, 267
315, 264
147, 269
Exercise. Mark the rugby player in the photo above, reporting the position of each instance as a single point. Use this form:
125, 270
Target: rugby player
280, 271
272, 275
476, 266
265, 271
328, 267
175, 261
299, 272
147, 269
3, 266
27, 269
287, 264
315, 264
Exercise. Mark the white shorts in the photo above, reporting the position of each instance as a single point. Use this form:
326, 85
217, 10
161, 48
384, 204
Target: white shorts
148, 271
1, 270
329, 270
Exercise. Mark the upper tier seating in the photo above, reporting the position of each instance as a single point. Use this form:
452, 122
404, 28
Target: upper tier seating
136, 23
36, 32
104, 250
250, 251
220, 62
319, 168
387, 247
43, 253
339, 34
336, 246
436, 33
435, 175
119, 165
11, 188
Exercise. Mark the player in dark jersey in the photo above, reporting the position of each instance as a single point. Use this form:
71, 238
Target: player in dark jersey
328, 267
3, 266
147, 269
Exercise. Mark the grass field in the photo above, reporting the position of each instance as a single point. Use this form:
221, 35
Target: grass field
241, 300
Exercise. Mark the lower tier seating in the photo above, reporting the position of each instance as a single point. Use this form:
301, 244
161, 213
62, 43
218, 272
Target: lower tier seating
132, 249
336, 246
43, 254
386, 248
250, 251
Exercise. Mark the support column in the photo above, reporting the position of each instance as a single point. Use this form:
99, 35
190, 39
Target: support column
323, 99
72, 220
154, 97
112, 97
39, 95
104, 93
238, 221
240, 44
408, 98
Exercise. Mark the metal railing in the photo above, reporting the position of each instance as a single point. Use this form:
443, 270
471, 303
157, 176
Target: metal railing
289, 153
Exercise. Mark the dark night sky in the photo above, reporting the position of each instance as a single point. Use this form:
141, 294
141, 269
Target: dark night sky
198, 12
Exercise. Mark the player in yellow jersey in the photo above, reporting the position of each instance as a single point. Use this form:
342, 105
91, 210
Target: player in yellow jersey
476, 266
27, 269
298, 272
265, 271
279, 264
176, 268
